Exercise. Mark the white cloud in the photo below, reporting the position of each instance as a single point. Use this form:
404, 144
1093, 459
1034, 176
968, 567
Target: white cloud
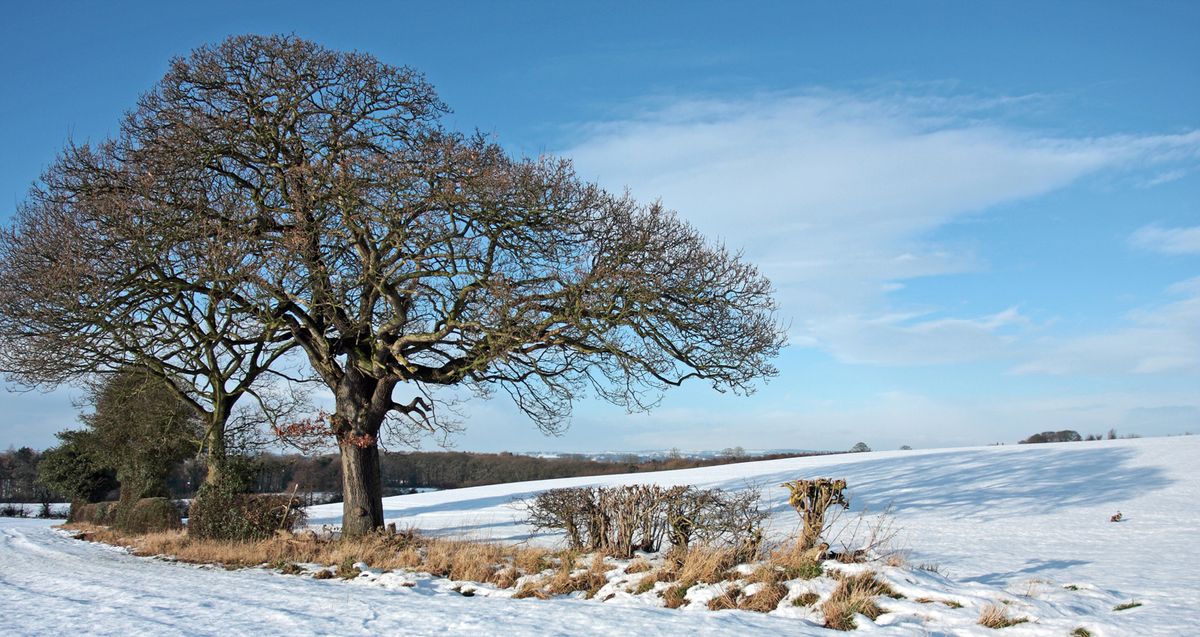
1159, 339
907, 340
835, 195
1167, 240
894, 418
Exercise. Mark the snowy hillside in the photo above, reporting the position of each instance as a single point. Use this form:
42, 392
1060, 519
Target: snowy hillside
1028, 523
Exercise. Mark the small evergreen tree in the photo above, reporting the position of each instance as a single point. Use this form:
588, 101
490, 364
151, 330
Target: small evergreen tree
141, 429
73, 469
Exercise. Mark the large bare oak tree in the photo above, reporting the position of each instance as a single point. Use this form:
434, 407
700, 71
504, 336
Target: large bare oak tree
402, 257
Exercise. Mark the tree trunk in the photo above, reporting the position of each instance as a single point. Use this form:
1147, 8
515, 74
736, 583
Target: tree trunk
362, 403
362, 492
215, 458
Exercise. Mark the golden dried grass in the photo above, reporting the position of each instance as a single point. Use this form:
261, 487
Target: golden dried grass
765, 599
996, 616
704, 564
457, 559
854, 595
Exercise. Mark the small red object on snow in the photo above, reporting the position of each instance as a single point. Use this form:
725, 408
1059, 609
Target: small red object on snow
1115, 518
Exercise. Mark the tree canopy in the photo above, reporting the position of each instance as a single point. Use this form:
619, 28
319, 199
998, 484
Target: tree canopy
401, 257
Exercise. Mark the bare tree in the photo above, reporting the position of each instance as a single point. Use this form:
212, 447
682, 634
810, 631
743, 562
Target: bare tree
402, 257
96, 277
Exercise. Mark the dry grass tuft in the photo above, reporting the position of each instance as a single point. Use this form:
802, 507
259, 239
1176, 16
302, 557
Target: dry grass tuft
767, 574
703, 564
530, 589
796, 563
727, 600
564, 579
806, 599
531, 560
645, 584
456, 559
1126, 605
640, 565
766, 599
996, 616
675, 596
347, 570
855, 595
505, 577
871, 584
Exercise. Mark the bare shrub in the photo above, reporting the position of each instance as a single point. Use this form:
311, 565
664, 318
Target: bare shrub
866, 537
620, 520
812, 499
10, 510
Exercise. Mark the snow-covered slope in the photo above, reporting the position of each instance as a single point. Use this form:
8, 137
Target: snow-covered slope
1030, 520
1009, 516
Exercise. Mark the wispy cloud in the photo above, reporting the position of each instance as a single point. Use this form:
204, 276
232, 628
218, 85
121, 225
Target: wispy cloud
835, 195
893, 418
1159, 339
917, 340
1156, 238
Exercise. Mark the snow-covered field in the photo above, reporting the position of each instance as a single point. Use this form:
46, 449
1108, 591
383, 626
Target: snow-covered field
1028, 525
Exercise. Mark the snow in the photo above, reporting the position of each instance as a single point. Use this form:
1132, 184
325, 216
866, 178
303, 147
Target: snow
1025, 525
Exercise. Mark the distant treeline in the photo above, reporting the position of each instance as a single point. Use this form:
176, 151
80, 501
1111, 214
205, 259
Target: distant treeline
18, 476
402, 472
1070, 435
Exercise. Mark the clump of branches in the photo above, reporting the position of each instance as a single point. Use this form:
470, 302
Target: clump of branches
812, 499
619, 520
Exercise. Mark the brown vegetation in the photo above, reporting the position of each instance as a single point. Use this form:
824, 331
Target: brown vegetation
812, 499
456, 559
622, 519
855, 595
764, 600
996, 616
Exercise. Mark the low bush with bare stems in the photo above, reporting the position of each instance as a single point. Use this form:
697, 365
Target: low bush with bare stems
622, 519
812, 499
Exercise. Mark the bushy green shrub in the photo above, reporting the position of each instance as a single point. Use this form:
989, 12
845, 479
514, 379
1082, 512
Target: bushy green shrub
102, 513
74, 470
150, 515
221, 512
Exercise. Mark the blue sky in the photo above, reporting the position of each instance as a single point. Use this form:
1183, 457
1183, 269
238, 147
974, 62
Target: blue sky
983, 219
